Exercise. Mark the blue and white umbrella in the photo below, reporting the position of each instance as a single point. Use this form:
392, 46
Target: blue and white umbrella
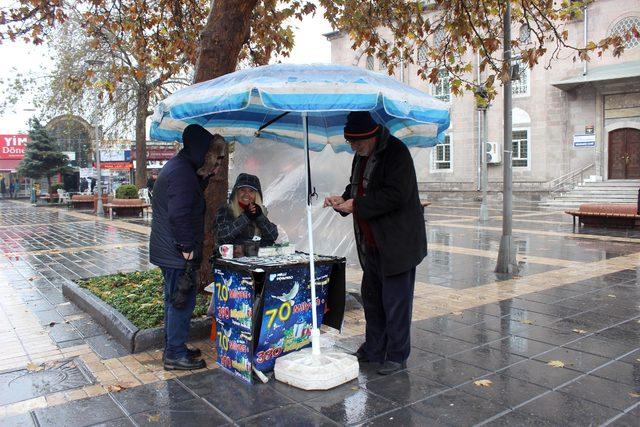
305, 106
239, 105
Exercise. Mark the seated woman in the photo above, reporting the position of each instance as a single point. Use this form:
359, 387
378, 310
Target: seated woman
244, 217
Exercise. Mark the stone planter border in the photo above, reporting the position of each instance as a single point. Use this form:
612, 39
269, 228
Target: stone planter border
132, 338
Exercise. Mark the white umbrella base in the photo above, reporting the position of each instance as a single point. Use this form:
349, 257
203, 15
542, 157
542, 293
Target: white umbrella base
307, 371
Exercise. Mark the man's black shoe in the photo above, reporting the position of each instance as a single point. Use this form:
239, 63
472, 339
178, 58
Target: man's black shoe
194, 353
184, 364
191, 353
361, 356
389, 367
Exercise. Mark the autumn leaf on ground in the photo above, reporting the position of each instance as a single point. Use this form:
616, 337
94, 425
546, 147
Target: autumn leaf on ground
154, 418
33, 367
527, 322
115, 388
483, 383
579, 331
556, 364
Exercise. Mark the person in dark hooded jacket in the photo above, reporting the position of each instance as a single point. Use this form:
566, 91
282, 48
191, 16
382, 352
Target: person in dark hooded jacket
244, 216
175, 245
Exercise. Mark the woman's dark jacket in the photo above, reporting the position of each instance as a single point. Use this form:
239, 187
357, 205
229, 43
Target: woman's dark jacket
390, 204
232, 230
179, 205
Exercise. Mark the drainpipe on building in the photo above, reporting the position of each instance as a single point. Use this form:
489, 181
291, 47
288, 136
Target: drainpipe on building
586, 24
482, 152
478, 83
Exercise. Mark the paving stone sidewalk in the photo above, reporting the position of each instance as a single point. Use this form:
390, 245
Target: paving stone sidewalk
559, 344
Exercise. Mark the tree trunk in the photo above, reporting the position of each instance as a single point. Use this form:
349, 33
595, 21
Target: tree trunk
142, 107
222, 38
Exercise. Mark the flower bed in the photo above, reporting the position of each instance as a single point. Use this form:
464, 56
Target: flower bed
138, 296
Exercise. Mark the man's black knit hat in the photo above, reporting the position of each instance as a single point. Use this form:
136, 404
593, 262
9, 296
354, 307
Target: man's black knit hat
360, 125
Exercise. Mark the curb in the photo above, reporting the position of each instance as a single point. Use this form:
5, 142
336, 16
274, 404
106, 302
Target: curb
133, 339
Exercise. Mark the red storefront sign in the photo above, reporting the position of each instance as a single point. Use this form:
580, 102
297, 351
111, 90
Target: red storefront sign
116, 165
12, 146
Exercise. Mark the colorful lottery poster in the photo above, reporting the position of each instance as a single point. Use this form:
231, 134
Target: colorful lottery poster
234, 350
233, 298
233, 302
286, 313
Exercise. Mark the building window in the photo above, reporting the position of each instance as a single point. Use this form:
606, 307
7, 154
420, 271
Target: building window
623, 28
520, 141
442, 153
422, 54
520, 87
369, 64
524, 35
442, 89
439, 37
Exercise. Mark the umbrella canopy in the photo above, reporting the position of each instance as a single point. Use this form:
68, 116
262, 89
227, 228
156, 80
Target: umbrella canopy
239, 105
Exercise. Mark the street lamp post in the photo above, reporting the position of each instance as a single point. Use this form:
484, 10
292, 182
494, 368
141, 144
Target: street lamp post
507, 254
97, 133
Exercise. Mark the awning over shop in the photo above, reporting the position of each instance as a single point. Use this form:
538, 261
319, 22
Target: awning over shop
606, 74
9, 165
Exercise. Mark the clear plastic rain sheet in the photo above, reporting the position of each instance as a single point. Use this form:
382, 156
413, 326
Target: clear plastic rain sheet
281, 170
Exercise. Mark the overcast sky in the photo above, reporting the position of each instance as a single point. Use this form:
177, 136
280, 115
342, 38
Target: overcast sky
311, 47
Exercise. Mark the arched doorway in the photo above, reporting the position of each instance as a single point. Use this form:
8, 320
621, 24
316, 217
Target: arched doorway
624, 154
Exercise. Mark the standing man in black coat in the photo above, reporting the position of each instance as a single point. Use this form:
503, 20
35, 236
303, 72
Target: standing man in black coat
177, 233
390, 234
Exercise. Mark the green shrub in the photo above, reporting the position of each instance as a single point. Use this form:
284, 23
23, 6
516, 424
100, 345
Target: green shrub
127, 191
138, 296
54, 188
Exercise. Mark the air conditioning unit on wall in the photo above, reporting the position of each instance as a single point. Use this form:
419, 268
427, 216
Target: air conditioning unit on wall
494, 153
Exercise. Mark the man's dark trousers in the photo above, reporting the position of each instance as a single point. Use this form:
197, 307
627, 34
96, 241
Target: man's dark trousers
176, 321
387, 302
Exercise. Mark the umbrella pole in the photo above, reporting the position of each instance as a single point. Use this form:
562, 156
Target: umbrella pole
315, 332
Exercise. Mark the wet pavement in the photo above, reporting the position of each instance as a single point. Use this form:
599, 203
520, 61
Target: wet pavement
558, 344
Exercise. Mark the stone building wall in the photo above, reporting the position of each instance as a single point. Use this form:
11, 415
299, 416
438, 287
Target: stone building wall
550, 115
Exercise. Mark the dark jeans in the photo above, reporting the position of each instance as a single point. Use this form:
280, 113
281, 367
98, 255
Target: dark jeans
176, 321
387, 302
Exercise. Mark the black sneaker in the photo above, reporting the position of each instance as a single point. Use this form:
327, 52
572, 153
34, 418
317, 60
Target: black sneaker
389, 367
183, 364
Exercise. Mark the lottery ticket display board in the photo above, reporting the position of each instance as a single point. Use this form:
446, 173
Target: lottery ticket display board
263, 307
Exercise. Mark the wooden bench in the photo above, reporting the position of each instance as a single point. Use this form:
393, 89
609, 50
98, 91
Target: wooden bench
623, 215
80, 201
49, 198
127, 207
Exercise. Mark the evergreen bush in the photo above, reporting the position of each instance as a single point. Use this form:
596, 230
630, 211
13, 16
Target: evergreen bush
127, 191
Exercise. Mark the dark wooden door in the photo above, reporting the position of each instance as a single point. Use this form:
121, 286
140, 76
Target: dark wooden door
624, 154
633, 153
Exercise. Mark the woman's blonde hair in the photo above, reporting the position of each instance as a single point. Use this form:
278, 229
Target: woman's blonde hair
237, 210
